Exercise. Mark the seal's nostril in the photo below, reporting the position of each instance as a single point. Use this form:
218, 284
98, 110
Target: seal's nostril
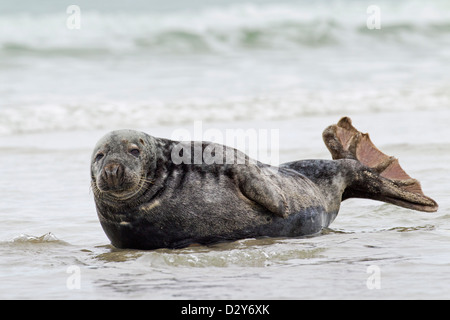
113, 174
111, 169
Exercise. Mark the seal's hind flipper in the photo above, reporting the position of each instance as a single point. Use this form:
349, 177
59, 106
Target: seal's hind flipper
389, 182
345, 142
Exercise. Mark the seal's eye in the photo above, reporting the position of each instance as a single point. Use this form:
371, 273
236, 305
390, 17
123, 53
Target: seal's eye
99, 157
135, 152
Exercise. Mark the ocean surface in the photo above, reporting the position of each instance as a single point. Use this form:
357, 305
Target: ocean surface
293, 67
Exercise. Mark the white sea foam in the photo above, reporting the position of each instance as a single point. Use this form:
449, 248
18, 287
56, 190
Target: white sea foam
138, 114
279, 60
46, 238
230, 62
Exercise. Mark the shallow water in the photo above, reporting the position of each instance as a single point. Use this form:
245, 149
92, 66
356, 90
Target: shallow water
50, 226
290, 66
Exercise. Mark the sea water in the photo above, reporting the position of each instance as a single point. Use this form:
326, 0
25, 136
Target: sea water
290, 66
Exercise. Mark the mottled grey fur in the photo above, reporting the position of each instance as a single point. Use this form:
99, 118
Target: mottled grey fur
146, 201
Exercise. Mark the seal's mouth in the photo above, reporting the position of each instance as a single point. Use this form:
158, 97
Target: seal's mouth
116, 183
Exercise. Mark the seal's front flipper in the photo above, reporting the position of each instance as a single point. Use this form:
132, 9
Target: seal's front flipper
260, 188
381, 177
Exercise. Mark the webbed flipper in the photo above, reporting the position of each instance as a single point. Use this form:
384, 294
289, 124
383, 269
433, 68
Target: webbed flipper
386, 180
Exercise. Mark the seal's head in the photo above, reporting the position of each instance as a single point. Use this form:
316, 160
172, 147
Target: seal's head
119, 165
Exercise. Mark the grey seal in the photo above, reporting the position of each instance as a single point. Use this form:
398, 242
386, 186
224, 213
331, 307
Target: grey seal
145, 200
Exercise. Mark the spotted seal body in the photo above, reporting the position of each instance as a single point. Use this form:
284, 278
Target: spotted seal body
146, 200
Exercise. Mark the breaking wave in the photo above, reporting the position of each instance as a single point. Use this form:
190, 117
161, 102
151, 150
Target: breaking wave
287, 60
224, 29
142, 114
29, 239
